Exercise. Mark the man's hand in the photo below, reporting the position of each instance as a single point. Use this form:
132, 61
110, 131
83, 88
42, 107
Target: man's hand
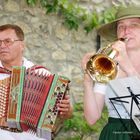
65, 108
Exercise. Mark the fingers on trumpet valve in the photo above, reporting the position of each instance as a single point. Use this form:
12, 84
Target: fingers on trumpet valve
115, 51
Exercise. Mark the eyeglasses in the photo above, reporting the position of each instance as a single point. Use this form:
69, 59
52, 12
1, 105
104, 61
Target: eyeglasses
8, 42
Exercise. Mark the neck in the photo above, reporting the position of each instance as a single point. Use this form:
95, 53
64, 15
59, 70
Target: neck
134, 54
9, 65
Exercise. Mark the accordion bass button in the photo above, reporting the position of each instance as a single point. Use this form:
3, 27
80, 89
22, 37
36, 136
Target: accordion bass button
60, 95
49, 118
57, 101
51, 122
63, 85
55, 93
57, 90
55, 113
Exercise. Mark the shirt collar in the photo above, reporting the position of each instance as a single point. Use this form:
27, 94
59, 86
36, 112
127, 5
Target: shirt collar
25, 63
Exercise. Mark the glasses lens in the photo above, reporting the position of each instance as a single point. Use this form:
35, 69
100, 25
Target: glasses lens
8, 42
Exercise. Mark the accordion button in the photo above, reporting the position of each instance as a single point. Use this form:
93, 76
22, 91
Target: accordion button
51, 122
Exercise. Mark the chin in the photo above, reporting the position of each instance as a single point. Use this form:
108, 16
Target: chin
4, 59
132, 48
131, 45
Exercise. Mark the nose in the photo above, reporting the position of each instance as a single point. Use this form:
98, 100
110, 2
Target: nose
127, 29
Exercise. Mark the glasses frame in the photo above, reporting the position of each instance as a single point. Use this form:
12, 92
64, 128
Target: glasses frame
11, 41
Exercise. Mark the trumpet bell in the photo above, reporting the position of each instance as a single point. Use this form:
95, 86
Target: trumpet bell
101, 68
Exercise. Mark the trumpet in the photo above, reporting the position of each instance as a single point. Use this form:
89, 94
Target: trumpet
101, 67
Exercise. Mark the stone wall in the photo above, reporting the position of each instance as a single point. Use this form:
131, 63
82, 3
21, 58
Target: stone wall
48, 42
51, 44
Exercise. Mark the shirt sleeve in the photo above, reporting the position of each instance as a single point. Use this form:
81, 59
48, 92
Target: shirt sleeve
100, 88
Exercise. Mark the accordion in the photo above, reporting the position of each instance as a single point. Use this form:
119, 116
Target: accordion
29, 98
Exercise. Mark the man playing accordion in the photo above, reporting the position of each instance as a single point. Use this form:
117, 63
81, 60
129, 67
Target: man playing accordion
11, 54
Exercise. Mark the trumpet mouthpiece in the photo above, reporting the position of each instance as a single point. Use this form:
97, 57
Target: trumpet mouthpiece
124, 39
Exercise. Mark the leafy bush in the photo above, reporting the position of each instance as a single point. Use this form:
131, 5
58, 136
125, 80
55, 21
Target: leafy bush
79, 125
74, 15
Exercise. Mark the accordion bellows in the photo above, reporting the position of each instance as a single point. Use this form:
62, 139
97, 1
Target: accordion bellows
29, 98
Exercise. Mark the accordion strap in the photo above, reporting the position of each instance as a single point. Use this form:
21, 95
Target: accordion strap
35, 67
4, 70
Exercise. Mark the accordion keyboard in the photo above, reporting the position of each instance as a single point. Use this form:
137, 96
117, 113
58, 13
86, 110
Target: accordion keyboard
4, 97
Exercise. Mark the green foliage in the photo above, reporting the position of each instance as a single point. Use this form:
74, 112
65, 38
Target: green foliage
108, 15
74, 15
31, 2
92, 21
79, 125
